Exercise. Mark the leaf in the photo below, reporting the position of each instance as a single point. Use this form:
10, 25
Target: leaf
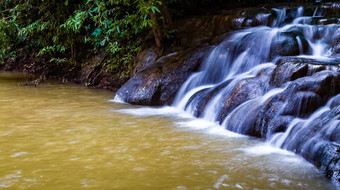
155, 8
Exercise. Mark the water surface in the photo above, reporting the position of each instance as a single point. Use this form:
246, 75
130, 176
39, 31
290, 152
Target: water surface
70, 137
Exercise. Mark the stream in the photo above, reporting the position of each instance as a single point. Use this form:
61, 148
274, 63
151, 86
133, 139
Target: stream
69, 137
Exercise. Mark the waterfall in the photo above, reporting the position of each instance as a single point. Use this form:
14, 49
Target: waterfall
299, 126
275, 81
233, 86
238, 57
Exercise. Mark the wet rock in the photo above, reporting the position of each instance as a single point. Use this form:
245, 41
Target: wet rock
245, 90
275, 125
327, 159
199, 101
198, 31
292, 68
325, 21
301, 98
159, 83
287, 71
145, 58
284, 44
307, 94
334, 51
318, 141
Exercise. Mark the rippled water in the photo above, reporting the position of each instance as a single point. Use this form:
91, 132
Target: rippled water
69, 137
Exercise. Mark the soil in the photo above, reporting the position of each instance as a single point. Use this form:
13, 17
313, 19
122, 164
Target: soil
90, 75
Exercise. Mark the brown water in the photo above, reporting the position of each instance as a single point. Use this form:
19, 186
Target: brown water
69, 137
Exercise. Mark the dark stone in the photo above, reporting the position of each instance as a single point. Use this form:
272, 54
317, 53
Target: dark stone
335, 51
276, 125
307, 94
284, 44
292, 68
198, 101
144, 59
318, 142
301, 98
287, 71
244, 90
203, 97
159, 83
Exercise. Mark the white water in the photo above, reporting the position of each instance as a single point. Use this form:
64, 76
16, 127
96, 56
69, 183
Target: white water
241, 56
286, 138
244, 55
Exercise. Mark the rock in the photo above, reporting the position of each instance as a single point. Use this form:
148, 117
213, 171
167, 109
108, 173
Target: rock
284, 44
244, 90
292, 68
318, 141
158, 84
287, 71
325, 21
145, 58
198, 31
301, 98
276, 125
334, 51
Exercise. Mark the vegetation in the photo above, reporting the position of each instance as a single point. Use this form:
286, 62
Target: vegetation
68, 31
71, 31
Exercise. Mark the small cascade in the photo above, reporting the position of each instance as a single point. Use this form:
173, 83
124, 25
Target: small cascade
266, 81
301, 127
316, 138
274, 81
238, 54
237, 58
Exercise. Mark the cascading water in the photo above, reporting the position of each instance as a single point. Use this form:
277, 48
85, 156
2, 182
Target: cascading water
275, 82
234, 86
243, 51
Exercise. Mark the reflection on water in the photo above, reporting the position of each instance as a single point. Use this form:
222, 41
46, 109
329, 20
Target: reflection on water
69, 137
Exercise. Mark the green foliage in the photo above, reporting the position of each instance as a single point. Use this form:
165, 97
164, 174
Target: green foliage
68, 30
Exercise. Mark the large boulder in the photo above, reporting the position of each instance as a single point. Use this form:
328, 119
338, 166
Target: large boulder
159, 83
284, 44
244, 90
